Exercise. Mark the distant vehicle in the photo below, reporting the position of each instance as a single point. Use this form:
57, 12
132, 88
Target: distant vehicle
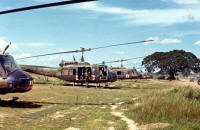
125, 73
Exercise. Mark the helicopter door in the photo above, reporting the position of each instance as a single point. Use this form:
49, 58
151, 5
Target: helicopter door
88, 72
2, 72
119, 72
103, 73
81, 73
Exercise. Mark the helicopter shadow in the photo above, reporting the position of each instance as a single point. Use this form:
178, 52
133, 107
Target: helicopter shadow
19, 104
91, 86
76, 104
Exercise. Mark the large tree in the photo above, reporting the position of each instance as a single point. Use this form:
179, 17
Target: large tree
172, 62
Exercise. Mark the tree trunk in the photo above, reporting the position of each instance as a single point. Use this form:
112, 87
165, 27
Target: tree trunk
171, 76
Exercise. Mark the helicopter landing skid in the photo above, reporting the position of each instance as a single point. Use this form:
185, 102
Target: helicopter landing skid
14, 99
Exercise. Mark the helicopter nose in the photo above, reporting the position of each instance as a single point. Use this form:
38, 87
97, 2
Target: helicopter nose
20, 81
113, 77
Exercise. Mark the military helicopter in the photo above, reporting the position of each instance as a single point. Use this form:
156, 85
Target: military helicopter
125, 73
12, 78
77, 72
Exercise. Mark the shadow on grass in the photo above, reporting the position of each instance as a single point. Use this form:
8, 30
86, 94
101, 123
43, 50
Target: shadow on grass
140, 88
19, 104
78, 104
91, 86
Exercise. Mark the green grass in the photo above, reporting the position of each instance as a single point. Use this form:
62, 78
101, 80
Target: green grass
179, 106
89, 108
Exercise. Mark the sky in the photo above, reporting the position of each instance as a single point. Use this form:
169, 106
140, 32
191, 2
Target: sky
173, 24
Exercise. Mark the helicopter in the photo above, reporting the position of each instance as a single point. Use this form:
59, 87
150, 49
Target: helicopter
12, 78
125, 73
77, 72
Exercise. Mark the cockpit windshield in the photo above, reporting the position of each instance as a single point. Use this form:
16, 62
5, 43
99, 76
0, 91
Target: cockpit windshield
8, 64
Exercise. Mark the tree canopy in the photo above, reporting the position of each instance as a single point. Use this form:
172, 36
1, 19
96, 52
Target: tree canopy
172, 62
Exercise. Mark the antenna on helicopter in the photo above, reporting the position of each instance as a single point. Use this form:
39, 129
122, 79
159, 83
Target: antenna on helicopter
122, 63
6, 48
82, 51
74, 58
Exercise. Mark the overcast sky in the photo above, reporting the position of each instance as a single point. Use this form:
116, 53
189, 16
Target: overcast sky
173, 24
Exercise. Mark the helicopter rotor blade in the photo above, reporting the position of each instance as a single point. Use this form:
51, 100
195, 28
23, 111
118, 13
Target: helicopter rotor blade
125, 59
121, 44
75, 51
44, 6
84, 50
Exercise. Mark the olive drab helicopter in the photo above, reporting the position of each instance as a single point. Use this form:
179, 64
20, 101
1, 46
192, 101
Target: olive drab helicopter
125, 73
12, 78
77, 72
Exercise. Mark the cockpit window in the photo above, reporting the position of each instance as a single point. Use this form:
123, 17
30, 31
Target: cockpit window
9, 64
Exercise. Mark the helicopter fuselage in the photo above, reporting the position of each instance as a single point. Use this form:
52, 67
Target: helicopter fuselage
124, 73
77, 72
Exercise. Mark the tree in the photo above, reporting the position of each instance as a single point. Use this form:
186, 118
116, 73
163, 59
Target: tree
172, 62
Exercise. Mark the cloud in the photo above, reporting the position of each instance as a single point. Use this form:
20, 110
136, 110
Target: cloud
164, 41
120, 52
40, 44
186, 2
170, 41
142, 16
197, 43
145, 16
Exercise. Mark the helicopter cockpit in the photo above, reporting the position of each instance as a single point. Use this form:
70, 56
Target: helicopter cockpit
8, 64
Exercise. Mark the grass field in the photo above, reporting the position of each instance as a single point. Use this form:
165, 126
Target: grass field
57, 105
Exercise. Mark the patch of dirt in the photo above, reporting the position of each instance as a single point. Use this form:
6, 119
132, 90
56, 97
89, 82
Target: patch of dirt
47, 99
72, 128
131, 124
137, 104
111, 128
116, 105
110, 122
2, 116
154, 126
57, 115
103, 107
